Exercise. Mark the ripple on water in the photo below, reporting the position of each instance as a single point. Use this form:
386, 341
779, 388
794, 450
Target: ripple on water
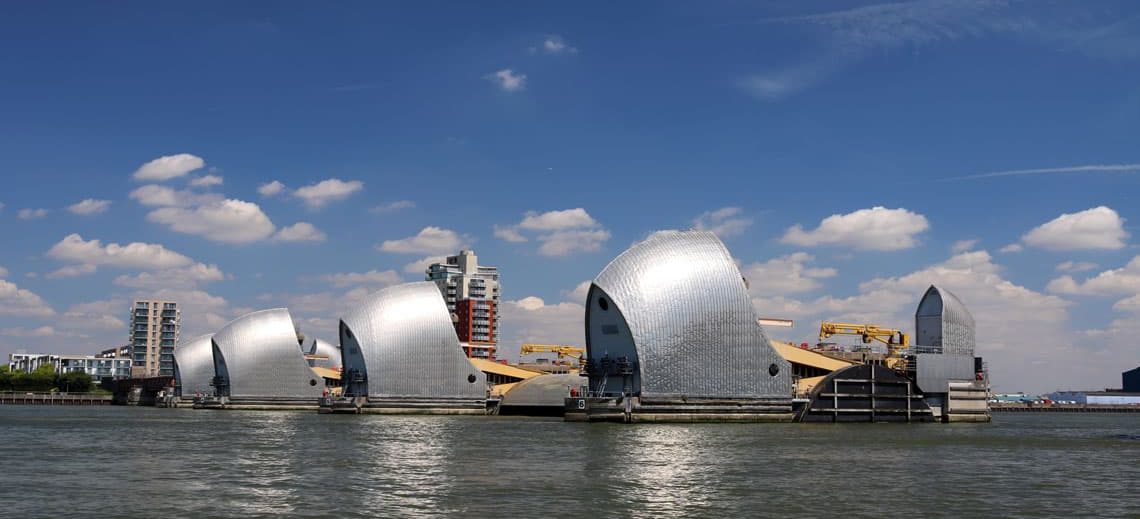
138, 462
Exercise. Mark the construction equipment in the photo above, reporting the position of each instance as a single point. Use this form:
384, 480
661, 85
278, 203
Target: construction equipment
895, 339
561, 350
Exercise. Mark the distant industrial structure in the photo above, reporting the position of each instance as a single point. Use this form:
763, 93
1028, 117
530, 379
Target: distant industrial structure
98, 368
155, 328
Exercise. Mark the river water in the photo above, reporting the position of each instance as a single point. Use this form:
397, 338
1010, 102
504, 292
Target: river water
147, 462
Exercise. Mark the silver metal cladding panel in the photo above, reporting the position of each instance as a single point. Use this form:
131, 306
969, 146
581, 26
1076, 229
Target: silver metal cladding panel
195, 362
691, 319
408, 345
263, 358
543, 390
933, 372
326, 348
942, 320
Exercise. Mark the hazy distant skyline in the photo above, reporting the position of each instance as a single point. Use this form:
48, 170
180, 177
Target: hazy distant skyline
237, 156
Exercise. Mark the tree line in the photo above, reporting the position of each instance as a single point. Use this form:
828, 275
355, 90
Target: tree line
44, 379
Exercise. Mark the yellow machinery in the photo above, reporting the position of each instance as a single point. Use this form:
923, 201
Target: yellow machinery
561, 350
896, 340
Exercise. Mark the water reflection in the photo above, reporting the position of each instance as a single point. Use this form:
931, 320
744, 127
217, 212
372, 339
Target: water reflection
68, 462
404, 468
667, 471
267, 459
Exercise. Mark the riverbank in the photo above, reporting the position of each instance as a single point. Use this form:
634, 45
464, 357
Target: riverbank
31, 398
1063, 408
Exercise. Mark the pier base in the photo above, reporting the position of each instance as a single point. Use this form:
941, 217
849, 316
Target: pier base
403, 406
676, 410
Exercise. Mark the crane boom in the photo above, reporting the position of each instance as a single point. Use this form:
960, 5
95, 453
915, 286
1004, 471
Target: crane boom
895, 339
869, 332
561, 350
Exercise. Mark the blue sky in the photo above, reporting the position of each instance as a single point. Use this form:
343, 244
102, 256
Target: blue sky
549, 138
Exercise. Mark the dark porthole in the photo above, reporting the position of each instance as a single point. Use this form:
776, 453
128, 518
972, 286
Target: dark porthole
605, 305
471, 378
312, 382
773, 370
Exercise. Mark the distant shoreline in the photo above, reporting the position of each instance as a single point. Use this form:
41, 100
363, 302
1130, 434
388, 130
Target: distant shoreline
1066, 408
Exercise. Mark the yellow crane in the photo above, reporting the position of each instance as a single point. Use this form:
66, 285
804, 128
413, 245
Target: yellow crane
895, 339
561, 350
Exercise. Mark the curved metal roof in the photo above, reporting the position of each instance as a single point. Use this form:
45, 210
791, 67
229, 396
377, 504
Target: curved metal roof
194, 365
690, 318
544, 390
263, 359
323, 347
402, 339
942, 320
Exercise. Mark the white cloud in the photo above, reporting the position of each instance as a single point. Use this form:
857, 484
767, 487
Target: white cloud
961, 246
1079, 266
725, 221
95, 315
557, 220
207, 181
1131, 304
1013, 247
168, 167
780, 307
31, 214
430, 240
785, 275
180, 278
530, 319
1097, 228
376, 278
555, 44
508, 80
318, 312
43, 331
21, 302
578, 295
300, 231
273, 188
1121, 281
564, 243
227, 221
776, 86
3, 272
566, 231
139, 255
202, 312
154, 195
420, 266
844, 38
392, 207
71, 271
318, 195
89, 206
510, 234
877, 228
